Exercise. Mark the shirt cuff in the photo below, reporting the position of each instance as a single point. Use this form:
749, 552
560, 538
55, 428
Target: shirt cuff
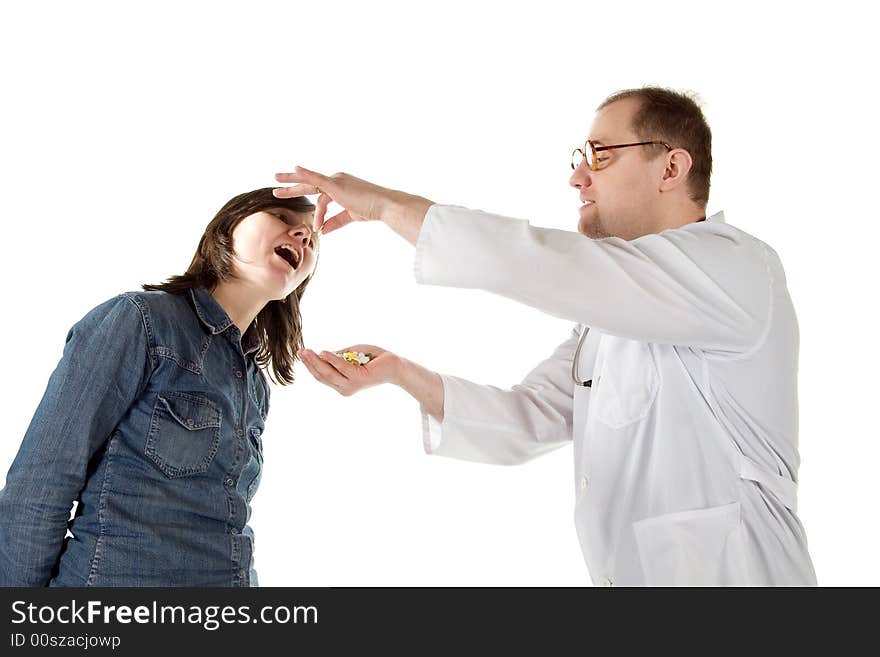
432, 433
424, 241
432, 428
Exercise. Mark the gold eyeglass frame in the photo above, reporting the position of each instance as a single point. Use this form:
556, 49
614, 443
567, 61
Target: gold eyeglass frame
593, 161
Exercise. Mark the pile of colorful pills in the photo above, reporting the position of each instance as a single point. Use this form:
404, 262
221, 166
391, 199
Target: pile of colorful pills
354, 357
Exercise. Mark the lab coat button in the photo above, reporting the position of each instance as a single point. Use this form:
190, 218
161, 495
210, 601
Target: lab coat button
584, 482
605, 582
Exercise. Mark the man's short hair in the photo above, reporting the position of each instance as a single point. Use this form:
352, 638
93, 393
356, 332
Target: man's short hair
677, 119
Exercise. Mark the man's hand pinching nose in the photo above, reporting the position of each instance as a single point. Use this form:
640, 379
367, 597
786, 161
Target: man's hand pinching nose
360, 200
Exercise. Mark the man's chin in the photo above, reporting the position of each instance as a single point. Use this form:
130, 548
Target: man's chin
591, 228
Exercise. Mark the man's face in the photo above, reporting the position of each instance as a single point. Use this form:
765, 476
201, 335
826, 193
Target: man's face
620, 198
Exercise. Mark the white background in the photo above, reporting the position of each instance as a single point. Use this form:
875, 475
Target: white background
123, 130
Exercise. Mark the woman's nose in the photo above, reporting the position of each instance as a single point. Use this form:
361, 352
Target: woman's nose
301, 233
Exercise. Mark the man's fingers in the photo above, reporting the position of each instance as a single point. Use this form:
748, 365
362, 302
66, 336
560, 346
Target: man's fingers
315, 370
309, 182
315, 373
341, 365
303, 175
335, 222
288, 177
321, 211
364, 348
322, 370
294, 191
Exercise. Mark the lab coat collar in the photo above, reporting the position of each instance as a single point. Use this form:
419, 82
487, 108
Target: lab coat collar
718, 217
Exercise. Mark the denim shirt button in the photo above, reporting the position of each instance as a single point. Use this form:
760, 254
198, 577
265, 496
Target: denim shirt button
233, 531
189, 422
229, 481
239, 431
238, 374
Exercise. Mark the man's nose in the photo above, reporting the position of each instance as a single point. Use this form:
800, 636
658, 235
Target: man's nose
301, 233
580, 177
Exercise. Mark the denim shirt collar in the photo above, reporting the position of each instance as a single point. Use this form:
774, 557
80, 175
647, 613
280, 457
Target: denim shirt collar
217, 321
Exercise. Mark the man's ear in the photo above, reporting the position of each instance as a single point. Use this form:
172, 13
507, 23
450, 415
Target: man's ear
678, 165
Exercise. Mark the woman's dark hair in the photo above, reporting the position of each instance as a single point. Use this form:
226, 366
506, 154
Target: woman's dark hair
279, 324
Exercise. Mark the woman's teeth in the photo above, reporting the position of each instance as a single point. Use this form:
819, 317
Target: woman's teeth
289, 255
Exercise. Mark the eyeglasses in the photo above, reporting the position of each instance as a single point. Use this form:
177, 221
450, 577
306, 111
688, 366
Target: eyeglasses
590, 152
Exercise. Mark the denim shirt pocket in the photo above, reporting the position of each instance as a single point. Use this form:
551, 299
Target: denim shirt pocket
184, 433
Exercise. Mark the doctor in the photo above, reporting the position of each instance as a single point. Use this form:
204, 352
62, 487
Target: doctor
678, 385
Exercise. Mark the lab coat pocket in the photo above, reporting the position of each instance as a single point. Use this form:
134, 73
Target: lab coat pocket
184, 433
692, 548
626, 388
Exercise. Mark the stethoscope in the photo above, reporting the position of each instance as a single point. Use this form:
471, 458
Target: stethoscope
577, 353
574, 363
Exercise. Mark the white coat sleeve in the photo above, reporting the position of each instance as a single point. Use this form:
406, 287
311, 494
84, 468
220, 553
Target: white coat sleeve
506, 427
707, 285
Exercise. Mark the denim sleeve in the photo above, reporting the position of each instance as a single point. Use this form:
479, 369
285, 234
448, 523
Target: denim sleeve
105, 367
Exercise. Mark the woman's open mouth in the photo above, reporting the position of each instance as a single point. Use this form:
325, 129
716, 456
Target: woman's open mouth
290, 255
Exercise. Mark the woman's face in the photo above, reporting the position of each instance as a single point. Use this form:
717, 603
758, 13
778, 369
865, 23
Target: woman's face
274, 250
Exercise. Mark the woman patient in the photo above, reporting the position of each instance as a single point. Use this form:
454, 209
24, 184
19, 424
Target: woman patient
152, 419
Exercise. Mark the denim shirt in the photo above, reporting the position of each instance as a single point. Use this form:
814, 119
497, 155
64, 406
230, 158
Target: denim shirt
152, 421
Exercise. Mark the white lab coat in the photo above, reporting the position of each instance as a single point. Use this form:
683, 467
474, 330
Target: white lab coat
685, 447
